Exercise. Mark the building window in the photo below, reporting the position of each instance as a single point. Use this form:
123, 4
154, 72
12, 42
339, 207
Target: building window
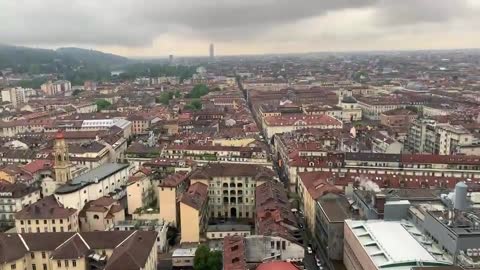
45, 266
61, 221
96, 217
59, 263
45, 221
13, 266
37, 222
66, 263
43, 255
21, 222
34, 267
53, 221
74, 263
32, 255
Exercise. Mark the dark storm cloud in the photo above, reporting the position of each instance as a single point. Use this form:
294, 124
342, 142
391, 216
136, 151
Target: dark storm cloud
407, 12
133, 23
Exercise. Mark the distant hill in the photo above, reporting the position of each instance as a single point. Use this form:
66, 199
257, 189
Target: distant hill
74, 64
43, 60
92, 56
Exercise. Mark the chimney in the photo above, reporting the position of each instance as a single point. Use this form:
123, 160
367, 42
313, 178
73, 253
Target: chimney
379, 203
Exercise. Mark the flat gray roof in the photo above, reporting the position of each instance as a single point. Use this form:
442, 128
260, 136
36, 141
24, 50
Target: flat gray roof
100, 173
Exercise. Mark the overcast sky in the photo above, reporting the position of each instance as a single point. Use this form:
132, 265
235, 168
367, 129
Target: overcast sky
187, 27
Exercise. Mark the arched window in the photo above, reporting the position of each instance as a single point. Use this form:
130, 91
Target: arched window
96, 217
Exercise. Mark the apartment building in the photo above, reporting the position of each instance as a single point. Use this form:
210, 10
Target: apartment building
170, 191
140, 191
428, 136
13, 198
194, 213
14, 95
110, 250
231, 187
46, 215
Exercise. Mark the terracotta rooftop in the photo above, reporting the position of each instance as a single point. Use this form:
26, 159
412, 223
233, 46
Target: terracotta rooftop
195, 196
173, 180
300, 119
257, 172
317, 184
38, 165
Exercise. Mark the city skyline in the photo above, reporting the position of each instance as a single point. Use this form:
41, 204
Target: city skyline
187, 28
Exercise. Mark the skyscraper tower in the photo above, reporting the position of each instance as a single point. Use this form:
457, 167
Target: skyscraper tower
62, 161
212, 51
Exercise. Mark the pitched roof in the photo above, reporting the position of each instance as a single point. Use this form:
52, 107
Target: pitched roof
195, 196
297, 119
132, 254
46, 208
258, 172
174, 180
17, 189
11, 248
45, 241
130, 249
75, 247
38, 165
317, 184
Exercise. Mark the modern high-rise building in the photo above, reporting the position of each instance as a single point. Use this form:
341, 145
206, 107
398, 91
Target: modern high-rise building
16, 96
212, 51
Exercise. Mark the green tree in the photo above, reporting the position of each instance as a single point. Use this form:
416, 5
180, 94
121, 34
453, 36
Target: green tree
76, 92
205, 259
164, 98
194, 105
102, 104
198, 91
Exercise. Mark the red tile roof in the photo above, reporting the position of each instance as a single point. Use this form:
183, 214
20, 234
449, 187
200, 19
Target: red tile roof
317, 184
300, 119
195, 196
174, 180
38, 165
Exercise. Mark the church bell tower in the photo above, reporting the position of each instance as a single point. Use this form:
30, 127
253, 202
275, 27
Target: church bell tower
62, 161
